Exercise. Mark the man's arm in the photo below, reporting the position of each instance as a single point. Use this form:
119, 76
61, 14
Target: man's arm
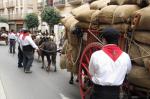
91, 66
32, 43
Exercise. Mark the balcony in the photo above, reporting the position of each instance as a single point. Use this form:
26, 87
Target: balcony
13, 16
59, 3
74, 2
40, 5
30, 5
10, 4
1, 6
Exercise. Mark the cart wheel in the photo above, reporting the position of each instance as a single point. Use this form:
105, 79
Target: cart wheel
84, 75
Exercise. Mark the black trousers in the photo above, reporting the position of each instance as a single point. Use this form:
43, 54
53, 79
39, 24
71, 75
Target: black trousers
105, 92
12, 44
20, 57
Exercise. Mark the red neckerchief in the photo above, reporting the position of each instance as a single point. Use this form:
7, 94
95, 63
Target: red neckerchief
20, 34
24, 35
113, 51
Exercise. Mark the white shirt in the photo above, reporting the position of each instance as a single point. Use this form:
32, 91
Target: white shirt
11, 36
105, 71
28, 41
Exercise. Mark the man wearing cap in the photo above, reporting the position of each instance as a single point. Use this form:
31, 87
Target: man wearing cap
108, 67
28, 47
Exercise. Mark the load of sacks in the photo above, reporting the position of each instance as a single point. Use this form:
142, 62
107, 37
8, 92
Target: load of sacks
140, 50
115, 13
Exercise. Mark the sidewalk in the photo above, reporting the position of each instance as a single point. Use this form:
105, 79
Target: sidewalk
2, 93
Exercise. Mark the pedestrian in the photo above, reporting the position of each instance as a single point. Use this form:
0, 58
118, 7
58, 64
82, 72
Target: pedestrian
12, 41
108, 66
28, 47
20, 50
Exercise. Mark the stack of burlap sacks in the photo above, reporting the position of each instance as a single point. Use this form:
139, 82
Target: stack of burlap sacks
116, 15
99, 15
79, 17
140, 74
70, 47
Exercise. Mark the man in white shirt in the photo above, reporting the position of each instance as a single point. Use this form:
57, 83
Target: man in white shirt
12, 41
108, 67
28, 47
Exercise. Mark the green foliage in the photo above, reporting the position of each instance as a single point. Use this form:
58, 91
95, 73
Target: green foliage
50, 15
31, 20
2, 19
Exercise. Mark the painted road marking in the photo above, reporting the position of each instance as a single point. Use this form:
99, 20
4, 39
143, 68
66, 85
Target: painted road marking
2, 93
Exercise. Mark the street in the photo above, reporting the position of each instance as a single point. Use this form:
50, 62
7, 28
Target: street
37, 85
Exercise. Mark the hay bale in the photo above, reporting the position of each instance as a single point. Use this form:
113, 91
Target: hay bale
99, 4
139, 76
85, 16
142, 36
106, 14
144, 52
80, 9
123, 12
144, 22
63, 61
134, 52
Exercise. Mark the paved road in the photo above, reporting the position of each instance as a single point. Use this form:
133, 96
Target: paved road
38, 85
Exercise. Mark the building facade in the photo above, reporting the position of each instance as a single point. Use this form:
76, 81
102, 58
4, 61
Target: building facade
16, 10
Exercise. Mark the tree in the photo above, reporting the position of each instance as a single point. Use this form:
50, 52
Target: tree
2, 19
31, 21
51, 16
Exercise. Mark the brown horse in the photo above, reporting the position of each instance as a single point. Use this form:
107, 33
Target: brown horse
48, 48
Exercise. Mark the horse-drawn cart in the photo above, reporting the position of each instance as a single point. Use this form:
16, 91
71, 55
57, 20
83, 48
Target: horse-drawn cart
137, 83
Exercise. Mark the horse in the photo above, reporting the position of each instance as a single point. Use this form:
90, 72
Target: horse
48, 48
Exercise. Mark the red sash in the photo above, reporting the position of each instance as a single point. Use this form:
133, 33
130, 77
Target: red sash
113, 51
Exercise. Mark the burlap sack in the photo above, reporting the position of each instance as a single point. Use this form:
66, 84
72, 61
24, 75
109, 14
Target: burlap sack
121, 2
145, 51
63, 61
99, 4
80, 9
64, 48
70, 21
123, 12
72, 39
95, 18
144, 22
71, 57
142, 36
120, 27
85, 16
106, 14
83, 25
134, 52
139, 76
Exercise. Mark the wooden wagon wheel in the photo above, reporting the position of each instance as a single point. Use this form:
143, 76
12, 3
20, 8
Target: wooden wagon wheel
84, 75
